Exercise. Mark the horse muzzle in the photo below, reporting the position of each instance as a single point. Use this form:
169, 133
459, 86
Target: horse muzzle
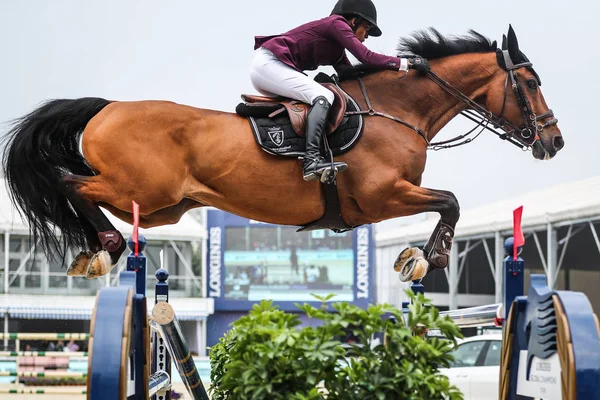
547, 146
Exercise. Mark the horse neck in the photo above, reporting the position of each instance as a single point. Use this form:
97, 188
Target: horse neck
422, 103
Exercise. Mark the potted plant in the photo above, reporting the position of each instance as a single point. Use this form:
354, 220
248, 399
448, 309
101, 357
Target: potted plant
266, 355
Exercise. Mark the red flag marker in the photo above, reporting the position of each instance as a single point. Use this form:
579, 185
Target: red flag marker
136, 224
519, 239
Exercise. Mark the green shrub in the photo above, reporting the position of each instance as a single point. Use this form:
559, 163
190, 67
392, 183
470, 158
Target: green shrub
266, 356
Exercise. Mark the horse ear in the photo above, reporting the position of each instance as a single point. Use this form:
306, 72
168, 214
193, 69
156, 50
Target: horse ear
513, 45
494, 44
504, 42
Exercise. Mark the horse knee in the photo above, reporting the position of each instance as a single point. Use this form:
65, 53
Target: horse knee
451, 212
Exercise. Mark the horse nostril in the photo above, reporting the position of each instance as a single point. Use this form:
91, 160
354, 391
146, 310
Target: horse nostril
558, 142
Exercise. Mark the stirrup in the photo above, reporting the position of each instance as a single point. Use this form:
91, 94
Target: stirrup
325, 174
329, 174
313, 173
310, 176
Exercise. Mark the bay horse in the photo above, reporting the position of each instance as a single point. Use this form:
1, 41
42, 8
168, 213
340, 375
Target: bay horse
69, 157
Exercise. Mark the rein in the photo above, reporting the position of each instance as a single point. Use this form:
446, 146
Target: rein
372, 112
523, 137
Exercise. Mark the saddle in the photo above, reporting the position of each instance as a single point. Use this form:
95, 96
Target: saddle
296, 110
279, 128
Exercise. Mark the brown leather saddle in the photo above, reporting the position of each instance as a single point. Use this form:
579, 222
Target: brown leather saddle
261, 107
298, 111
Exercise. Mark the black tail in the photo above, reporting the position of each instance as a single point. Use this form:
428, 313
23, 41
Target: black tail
42, 147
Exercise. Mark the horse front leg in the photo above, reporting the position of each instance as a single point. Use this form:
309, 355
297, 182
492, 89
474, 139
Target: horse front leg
414, 263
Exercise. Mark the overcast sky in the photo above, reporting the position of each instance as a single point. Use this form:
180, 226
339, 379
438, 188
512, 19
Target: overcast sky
198, 53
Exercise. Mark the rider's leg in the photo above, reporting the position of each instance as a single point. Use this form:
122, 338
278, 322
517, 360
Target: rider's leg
314, 163
272, 77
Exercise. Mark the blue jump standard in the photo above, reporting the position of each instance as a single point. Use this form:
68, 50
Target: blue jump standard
121, 317
557, 331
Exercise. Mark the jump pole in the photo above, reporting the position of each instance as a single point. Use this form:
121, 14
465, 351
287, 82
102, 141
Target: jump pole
168, 326
69, 354
44, 336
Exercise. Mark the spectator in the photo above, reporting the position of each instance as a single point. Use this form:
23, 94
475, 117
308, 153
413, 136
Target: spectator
72, 346
312, 274
294, 260
323, 274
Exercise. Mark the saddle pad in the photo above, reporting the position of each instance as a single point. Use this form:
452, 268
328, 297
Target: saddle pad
276, 135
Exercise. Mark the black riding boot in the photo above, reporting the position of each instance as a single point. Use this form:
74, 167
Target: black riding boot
314, 163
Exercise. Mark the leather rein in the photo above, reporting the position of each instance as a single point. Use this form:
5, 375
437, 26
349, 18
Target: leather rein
523, 137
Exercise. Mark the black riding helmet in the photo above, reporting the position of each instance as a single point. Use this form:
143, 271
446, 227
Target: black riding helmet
361, 8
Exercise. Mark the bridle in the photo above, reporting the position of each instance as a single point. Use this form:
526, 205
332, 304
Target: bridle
523, 136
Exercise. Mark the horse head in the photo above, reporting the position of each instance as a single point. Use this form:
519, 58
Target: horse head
495, 85
516, 97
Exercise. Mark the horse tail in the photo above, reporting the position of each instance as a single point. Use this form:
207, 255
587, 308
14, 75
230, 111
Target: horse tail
41, 147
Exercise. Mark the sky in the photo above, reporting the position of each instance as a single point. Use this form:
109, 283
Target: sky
199, 52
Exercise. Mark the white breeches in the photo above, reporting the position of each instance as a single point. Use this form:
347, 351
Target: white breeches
271, 77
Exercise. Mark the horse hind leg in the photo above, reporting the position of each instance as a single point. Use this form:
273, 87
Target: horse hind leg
106, 243
80, 264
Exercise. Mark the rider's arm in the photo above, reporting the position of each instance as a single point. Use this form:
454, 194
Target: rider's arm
343, 64
343, 34
345, 69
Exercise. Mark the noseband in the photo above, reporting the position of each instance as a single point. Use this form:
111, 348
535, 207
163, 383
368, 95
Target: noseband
523, 136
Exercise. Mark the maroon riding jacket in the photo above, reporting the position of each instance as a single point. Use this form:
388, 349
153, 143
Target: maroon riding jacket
322, 42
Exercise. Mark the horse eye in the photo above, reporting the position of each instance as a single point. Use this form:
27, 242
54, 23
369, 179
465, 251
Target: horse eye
532, 84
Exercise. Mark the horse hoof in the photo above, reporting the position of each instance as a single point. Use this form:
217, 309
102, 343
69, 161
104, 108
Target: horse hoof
79, 266
414, 269
100, 265
405, 255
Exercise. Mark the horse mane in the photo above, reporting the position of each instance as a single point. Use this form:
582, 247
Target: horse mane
430, 44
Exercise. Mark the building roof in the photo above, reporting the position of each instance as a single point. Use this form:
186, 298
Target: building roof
187, 229
555, 204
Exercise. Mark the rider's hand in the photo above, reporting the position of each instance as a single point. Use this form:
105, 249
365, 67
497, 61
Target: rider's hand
418, 64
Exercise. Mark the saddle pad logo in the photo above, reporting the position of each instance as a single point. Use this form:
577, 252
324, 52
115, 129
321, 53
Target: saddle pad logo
276, 135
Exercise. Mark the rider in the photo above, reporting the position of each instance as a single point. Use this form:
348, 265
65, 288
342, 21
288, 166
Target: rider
279, 62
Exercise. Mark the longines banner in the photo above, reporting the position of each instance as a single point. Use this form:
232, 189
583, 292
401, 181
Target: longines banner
248, 261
